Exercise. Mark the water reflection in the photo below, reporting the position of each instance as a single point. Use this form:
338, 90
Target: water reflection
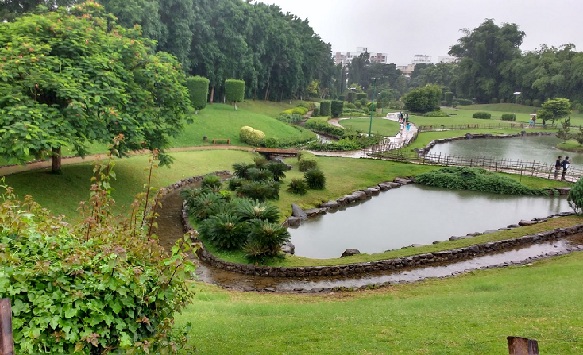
415, 214
541, 149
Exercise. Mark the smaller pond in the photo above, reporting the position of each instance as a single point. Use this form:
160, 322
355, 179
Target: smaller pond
541, 149
414, 214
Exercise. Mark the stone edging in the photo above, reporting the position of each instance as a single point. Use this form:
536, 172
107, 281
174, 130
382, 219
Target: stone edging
420, 260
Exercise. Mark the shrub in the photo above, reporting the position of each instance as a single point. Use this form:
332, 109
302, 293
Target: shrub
464, 178
240, 169
536, 103
290, 117
251, 136
360, 96
247, 210
235, 91
482, 115
277, 169
297, 187
493, 100
528, 102
349, 105
448, 98
271, 142
575, 197
224, 231
234, 183
315, 179
464, 102
320, 125
211, 182
259, 174
259, 190
325, 107
97, 287
508, 117
307, 164
265, 239
198, 89
336, 108
205, 205
316, 112
436, 113
423, 99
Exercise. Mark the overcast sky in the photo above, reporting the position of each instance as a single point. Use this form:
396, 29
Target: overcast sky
407, 27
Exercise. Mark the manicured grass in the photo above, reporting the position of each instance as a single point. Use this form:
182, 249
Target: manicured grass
220, 121
469, 314
380, 126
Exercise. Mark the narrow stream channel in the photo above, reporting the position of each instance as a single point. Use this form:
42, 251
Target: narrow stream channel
170, 229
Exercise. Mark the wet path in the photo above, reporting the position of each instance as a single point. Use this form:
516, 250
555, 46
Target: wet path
170, 229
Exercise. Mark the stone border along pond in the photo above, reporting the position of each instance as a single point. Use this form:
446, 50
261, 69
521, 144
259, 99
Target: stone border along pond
420, 260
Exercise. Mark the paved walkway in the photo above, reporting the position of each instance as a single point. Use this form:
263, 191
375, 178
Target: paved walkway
400, 140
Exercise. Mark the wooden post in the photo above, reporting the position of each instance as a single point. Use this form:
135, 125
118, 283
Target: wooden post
522, 346
6, 340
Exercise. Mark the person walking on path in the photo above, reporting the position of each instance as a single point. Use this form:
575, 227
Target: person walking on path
558, 165
565, 165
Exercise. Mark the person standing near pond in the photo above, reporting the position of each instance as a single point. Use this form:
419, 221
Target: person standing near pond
565, 165
558, 165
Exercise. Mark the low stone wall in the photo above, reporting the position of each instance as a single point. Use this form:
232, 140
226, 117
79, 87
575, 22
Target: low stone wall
421, 260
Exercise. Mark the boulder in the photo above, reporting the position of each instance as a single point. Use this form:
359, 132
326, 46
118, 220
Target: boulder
527, 223
350, 252
293, 221
330, 204
315, 212
298, 212
288, 248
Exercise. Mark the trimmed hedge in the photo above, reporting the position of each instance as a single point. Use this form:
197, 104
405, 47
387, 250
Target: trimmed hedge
235, 90
482, 115
508, 117
336, 108
325, 108
198, 90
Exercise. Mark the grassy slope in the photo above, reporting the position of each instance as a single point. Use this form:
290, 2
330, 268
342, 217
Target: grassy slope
470, 314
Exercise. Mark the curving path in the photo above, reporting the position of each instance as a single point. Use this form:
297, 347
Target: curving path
401, 139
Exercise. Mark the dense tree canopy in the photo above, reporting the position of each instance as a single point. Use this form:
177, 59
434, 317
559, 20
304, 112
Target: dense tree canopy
483, 54
72, 77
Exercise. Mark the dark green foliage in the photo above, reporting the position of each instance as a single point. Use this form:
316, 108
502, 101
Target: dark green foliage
336, 108
260, 161
423, 99
101, 286
463, 178
235, 90
259, 190
247, 209
259, 174
508, 117
325, 108
211, 182
235, 183
240, 169
205, 204
482, 115
298, 187
493, 100
265, 239
448, 98
307, 164
291, 118
437, 113
360, 96
463, 102
315, 179
198, 89
224, 231
277, 169
575, 197
316, 112
320, 126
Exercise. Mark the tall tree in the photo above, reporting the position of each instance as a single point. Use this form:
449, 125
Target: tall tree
73, 77
10, 9
483, 53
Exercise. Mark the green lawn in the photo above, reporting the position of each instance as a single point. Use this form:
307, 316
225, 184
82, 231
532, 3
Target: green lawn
469, 314
379, 125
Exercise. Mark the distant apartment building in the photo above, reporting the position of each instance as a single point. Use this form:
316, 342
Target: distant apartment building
423, 59
446, 59
345, 58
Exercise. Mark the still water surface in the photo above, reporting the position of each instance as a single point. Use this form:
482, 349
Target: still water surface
541, 149
415, 214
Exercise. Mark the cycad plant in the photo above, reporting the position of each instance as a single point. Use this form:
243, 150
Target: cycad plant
247, 209
224, 231
264, 239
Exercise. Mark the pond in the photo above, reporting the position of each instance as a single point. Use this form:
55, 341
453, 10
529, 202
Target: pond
541, 149
415, 214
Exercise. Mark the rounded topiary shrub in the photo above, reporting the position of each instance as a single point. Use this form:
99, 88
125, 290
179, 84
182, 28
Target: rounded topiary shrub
198, 89
482, 115
508, 117
251, 136
297, 187
235, 91
315, 179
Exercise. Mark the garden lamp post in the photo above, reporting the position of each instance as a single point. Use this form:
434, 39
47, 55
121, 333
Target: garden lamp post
372, 106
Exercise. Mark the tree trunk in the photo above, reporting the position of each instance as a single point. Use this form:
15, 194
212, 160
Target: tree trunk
56, 160
212, 96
